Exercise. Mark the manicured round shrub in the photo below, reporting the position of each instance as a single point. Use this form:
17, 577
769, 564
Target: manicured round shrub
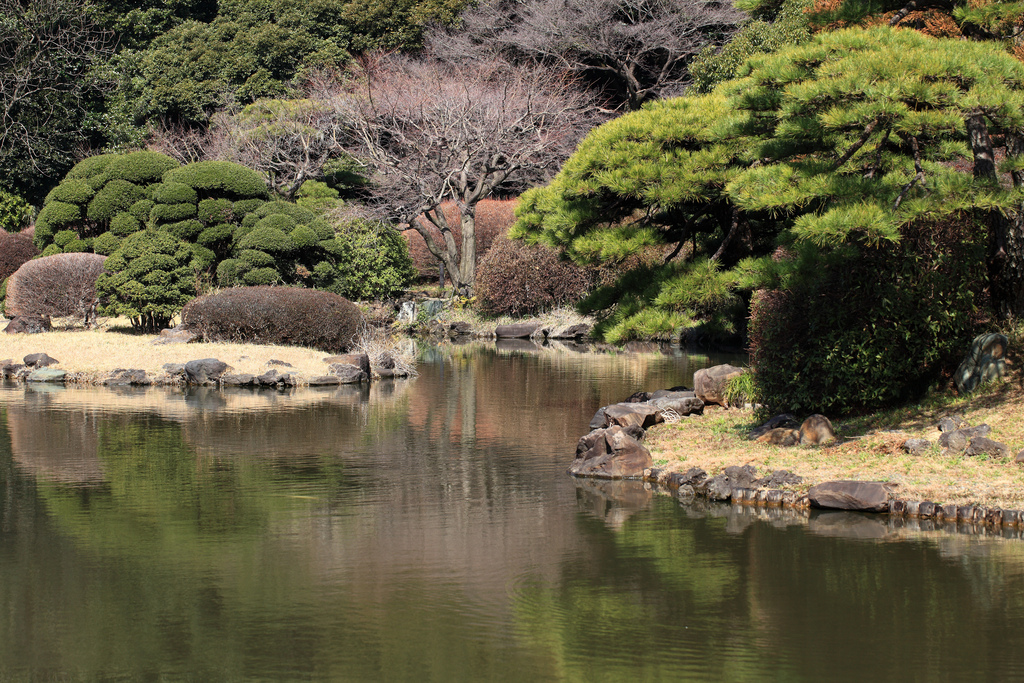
304, 237
250, 220
91, 167
515, 278
262, 276
172, 213
298, 214
373, 262
215, 235
141, 168
220, 179
243, 207
202, 258
173, 193
275, 315
71, 191
55, 216
184, 230
52, 250
148, 279
63, 237
107, 243
271, 240
277, 221
140, 210
213, 211
230, 271
117, 195
15, 249
61, 285
77, 245
255, 258
124, 224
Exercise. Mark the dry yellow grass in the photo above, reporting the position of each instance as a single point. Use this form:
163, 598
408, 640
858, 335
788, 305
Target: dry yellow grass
872, 450
95, 352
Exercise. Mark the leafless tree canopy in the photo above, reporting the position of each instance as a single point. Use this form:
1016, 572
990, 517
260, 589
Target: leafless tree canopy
638, 49
47, 49
62, 285
431, 131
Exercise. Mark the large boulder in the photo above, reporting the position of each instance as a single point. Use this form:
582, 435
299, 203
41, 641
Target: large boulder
611, 453
39, 360
28, 324
516, 330
681, 402
985, 361
204, 371
957, 440
709, 383
865, 496
817, 429
640, 415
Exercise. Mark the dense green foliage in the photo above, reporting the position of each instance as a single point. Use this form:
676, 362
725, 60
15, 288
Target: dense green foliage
15, 212
834, 149
148, 279
373, 261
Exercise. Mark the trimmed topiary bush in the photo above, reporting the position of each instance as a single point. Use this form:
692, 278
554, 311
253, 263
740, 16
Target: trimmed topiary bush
173, 193
268, 239
141, 168
91, 167
55, 216
262, 276
148, 279
106, 244
243, 207
15, 250
172, 213
140, 210
374, 264
220, 179
72, 191
213, 211
185, 230
116, 195
62, 285
516, 279
124, 224
275, 315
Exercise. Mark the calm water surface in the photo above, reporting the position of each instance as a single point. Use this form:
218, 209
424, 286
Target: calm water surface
424, 530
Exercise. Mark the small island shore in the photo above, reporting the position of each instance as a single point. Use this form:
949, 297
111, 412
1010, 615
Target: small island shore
870, 448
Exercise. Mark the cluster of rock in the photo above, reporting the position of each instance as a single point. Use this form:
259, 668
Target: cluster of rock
28, 324
351, 368
957, 437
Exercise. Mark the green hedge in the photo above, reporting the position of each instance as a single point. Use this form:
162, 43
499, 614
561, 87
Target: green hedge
172, 213
117, 195
173, 193
213, 211
71, 191
124, 224
220, 179
141, 168
91, 167
268, 239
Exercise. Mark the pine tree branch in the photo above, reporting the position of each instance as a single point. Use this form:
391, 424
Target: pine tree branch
857, 145
733, 229
903, 12
916, 179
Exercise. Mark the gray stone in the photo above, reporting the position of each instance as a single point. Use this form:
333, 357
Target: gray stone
204, 370
917, 446
952, 422
984, 362
241, 380
174, 369
1020, 457
981, 445
359, 360
958, 439
348, 374
949, 511
683, 402
1011, 517
28, 324
325, 381
628, 414
279, 363
122, 378
718, 487
610, 454
46, 375
709, 383
176, 335
579, 332
741, 476
867, 496
516, 330
408, 312
780, 478
39, 360
927, 509
9, 369
270, 378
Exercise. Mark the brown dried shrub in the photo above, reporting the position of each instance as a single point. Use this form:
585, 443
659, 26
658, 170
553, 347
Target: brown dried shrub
15, 249
493, 219
519, 279
62, 285
275, 315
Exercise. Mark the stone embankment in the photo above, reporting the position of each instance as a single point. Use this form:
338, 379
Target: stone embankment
613, 450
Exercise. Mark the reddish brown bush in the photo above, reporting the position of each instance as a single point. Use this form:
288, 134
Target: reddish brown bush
15, 249
275, 315
518, 279
493, 218
62, 285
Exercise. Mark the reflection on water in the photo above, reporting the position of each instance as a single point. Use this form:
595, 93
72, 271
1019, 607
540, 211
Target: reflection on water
425, 530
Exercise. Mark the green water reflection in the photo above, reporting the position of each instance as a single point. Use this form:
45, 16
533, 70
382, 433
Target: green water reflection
424, 531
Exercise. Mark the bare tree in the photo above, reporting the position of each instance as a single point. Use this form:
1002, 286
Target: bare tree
49, 51
635, 50
429, 132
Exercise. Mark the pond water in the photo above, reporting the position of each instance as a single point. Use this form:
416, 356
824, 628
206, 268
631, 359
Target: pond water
425, 530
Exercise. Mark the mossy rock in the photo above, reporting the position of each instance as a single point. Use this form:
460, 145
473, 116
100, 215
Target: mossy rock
140, 210
261, 276
172, 213
107, 243
64, 237
220, 179
124, 224
72, 191
256, 258
117, 195
213, 211
142, 167
91, 167
173, 193
184, 230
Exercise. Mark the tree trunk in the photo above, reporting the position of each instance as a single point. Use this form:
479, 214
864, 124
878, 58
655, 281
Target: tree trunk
467, 264
1005, 259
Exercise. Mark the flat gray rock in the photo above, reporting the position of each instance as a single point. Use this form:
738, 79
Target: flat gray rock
865, 496
46, 375
516, 331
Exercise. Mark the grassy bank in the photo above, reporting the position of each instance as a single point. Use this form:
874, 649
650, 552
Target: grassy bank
870, 448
